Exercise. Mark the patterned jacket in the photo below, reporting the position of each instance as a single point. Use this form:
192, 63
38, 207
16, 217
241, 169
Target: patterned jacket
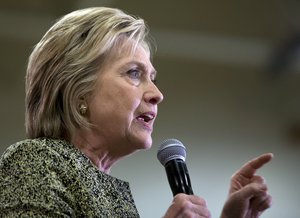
51, 178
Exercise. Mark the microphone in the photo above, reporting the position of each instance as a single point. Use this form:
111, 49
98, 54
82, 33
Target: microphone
171, 154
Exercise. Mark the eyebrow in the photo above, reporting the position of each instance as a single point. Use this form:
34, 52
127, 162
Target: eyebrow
143, 66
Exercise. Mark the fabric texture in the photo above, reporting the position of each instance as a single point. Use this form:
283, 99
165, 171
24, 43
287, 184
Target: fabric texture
51, 178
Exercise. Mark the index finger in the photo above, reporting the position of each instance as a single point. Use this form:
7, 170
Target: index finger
248, 170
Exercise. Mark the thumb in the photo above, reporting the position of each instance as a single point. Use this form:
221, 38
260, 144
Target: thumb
252, 190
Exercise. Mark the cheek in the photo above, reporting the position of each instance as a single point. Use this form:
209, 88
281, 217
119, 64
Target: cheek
126, 100
115, 105
119, 99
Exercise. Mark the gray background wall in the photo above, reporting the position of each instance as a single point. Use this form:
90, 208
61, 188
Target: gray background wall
221, 99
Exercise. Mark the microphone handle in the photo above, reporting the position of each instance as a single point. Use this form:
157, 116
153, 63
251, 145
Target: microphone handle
178, 177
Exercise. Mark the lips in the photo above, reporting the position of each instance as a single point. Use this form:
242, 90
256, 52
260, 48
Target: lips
146, 117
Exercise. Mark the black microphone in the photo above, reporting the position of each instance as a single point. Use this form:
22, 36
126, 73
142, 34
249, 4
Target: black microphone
171, 154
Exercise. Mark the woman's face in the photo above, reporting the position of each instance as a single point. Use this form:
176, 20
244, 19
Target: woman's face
123, 106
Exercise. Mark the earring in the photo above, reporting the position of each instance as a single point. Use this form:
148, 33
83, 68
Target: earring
82, 109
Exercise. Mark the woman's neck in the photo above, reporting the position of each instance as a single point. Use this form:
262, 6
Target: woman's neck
99, 152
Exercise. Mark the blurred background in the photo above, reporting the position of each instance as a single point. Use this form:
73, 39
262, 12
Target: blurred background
230, 74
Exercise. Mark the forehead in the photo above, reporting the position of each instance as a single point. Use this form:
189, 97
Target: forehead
128, 48
128, 51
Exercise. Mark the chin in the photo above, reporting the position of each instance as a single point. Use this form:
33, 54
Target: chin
148, 145
144, 144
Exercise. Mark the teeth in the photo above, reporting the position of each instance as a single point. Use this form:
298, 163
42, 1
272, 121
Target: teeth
150, 116
146, 117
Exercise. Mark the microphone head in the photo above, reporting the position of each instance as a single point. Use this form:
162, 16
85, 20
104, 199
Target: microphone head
171, 149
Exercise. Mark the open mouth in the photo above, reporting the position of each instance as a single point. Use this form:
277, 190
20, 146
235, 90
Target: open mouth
146, 117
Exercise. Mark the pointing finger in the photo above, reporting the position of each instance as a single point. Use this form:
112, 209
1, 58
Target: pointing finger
248, 170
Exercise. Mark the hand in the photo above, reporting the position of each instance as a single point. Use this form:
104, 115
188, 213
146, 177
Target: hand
248, 196
190, 206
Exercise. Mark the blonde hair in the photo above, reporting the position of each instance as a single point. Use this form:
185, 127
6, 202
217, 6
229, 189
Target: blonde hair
63, 65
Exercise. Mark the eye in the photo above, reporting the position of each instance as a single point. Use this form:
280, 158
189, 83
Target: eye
134, 74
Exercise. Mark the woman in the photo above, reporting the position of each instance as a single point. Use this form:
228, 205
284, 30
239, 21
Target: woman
91, 100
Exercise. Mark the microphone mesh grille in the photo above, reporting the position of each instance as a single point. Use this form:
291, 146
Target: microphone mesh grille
171, 149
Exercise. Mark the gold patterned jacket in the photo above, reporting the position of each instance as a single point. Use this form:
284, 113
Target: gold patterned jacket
51, 178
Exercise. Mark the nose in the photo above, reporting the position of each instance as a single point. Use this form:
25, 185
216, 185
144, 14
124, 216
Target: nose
153, 95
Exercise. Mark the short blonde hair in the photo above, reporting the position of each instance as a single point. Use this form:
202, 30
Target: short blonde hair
63, 65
